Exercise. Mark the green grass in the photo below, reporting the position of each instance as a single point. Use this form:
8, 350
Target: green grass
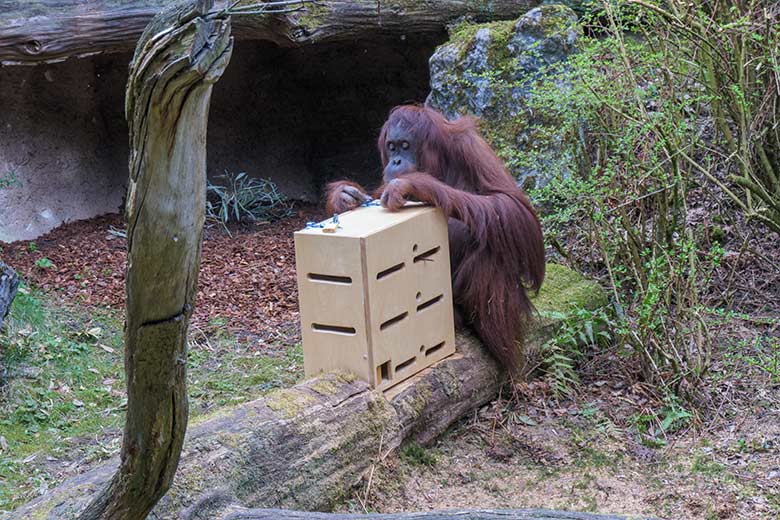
62, 398
416, 455
63, 385
707, 465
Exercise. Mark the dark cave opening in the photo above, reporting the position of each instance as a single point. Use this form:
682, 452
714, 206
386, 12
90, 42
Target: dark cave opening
308, 115
298, 116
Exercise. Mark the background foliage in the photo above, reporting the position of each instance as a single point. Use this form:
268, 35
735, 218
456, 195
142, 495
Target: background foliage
664, 104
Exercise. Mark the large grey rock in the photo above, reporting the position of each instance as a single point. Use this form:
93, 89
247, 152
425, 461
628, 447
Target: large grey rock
491, 70
9, 282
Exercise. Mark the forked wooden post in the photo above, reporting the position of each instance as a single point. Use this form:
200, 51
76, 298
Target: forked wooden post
178, 59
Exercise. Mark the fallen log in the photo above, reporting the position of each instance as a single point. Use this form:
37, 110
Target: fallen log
304, 447
53, 30
473, 514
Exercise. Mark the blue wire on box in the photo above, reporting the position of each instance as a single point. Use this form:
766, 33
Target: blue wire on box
335, 218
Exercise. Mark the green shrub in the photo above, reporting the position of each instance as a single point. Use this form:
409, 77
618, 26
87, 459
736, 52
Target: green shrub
621, 211
728, 55
240, 198
583, 329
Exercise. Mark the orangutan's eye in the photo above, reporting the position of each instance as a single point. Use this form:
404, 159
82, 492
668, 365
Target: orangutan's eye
405, 145
391, 147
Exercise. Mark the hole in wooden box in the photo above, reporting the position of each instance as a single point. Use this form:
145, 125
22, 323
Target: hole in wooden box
430, 302
390, 270
434, 348
406, 364
383, 372
393, 321
328, 278
426, 256
333, 329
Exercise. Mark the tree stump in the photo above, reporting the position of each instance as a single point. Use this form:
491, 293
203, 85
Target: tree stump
178, 59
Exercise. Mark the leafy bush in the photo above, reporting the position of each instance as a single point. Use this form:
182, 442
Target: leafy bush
559, 356
728, 54
240, 198
622, 214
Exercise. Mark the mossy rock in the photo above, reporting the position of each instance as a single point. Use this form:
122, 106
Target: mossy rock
564, 290
310, 19
490, 70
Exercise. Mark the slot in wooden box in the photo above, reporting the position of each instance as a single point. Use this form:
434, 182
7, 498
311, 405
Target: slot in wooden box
376, 295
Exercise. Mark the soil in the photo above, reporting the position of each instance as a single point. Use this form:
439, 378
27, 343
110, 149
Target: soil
246, 283
605, 449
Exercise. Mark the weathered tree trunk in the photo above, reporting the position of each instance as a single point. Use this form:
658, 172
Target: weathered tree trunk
177, 61
9, 282
473, 514
52, 30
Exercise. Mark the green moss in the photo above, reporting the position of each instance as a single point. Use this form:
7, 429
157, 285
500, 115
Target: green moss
502, 134
423, 398
232, 440
313, 16
556, 19
331, 383
718, 234
463, 35
415, 455
347, 377
288, 403
188, 484
325, 387
499, 57
405, 4
449, 380
44, 510
564, 290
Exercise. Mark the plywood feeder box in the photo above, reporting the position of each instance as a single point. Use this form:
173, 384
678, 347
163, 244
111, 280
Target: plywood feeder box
375, 293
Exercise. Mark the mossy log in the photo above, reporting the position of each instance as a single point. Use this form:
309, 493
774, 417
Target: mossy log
53, 30
304, 447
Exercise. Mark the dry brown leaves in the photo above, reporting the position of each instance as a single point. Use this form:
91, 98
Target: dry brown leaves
246, 282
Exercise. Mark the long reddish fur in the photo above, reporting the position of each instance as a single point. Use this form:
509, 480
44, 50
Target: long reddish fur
495, 236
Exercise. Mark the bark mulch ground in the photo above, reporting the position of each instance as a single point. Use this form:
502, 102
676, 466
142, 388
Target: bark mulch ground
246, 282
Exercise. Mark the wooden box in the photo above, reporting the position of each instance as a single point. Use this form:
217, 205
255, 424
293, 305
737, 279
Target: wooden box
376, 294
